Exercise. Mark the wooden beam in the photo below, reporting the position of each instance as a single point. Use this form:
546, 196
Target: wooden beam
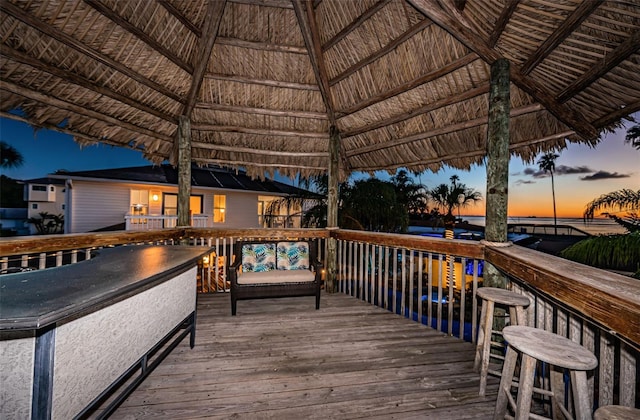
307, 23
262, 111
473, 41
263, 82
469, 154
440, 131
503, 20
261, 152
497, 163
355, 24
81, 110
418, 27
184, 171
412, 84
212, 19
258, 131
332, 207
223, 162
178, 15
83, 49
262, 46
140, 34
618, 114
441, 103
571, 23
74, 78
280, 4
604, 66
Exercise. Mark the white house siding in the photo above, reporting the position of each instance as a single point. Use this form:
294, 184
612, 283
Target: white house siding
241, 211
97, 205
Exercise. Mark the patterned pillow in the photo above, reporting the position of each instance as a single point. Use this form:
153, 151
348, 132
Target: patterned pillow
258, 257
293, 256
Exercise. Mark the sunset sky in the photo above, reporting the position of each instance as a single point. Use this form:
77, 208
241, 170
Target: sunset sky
582, 173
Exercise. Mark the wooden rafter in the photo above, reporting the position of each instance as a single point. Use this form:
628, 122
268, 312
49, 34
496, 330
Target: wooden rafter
617, 115
81, 81
306, 21
439, 131
503, 20
169, 7
564, 114
262, 46
281, 4
77, 109
236, 149
412, 84
263, 82
74, 44
258, 131
140, 34
480, 152
262, 111
418, 27
446, 101
561, 33
611, 60
355, 24
205, 45
229, 162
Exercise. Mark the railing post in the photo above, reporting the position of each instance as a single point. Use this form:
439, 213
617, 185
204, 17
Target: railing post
497, 164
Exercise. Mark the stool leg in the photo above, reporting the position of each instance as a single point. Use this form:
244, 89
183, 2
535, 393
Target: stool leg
557, 389
581, 395
505, 383
480, 340
486, 347
525, 391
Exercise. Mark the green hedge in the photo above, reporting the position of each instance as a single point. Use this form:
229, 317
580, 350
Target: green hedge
613, 252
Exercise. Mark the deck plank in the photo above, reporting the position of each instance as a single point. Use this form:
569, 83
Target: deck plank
281, 359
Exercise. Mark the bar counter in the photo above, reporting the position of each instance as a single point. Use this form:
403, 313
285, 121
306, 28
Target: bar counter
71, 337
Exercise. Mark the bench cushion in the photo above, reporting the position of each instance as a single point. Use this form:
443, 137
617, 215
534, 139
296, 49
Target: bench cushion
292, 256
271, 277
258, 258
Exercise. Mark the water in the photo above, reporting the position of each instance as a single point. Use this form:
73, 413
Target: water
599, 226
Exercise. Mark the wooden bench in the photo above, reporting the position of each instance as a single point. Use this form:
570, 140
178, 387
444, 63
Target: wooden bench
272, 269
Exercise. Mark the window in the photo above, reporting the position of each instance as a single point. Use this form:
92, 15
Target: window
63, 206
139, 202
34, 206
52, 188
219, 208
38, 188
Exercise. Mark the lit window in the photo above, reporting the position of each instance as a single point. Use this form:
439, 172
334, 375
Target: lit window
219, 208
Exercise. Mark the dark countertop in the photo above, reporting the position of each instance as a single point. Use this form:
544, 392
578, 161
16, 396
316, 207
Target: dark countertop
37, 299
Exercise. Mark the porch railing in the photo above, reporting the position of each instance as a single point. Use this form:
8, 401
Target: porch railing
161, 221
433, 281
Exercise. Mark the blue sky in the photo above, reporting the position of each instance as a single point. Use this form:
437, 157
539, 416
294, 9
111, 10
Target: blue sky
582, 173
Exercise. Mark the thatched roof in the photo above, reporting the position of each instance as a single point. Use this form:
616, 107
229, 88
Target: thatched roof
405, 82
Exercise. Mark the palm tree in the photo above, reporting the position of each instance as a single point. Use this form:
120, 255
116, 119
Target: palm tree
633, 136
409, 193
452, 196
547, 163
10, 157
625, 200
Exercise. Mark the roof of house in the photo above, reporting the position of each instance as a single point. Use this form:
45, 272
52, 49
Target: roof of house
44, 180
265, 83
211, 177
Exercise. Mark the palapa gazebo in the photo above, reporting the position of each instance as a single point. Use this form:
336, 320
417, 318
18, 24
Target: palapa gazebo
310, 86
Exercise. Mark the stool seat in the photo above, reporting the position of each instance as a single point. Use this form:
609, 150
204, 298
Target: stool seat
492, 296
549, 347
503, 296
559, 353
616, 412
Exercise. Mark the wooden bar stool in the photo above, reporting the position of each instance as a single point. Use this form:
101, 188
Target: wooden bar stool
517, 315
539, 345
616, 412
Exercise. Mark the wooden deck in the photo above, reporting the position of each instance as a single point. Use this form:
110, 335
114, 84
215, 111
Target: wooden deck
281, 359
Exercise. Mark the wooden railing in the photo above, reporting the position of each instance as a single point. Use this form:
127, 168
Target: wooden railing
161, 221
430, 280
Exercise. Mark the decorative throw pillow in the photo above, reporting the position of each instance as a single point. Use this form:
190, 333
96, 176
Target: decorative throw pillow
258, 257
293, 256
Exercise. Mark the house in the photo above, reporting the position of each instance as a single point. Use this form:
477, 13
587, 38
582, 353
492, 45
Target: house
146, 197
44, 196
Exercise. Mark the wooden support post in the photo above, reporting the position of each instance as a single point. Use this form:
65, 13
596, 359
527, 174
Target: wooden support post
497, 164
332, 207
184, 170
